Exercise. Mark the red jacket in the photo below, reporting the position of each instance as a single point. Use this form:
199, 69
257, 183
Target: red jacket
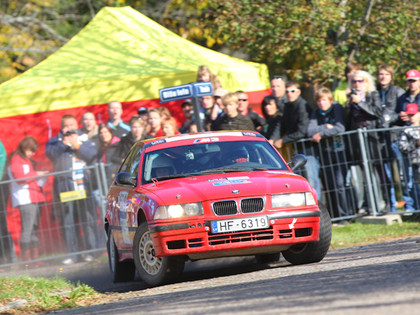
25, 191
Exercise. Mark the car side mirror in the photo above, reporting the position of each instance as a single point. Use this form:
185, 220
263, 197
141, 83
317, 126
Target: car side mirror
297, 162
125, 178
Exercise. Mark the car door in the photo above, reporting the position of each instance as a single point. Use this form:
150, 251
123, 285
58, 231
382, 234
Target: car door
123, 203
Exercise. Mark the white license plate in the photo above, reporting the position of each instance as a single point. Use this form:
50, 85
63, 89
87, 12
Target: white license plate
243, 224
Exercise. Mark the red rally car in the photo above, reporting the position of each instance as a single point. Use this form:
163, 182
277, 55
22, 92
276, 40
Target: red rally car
208, 195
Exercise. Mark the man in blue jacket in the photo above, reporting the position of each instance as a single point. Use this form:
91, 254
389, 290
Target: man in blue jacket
71, 151
410, 187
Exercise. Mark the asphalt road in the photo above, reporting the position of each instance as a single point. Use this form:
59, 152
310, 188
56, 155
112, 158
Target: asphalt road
382, 278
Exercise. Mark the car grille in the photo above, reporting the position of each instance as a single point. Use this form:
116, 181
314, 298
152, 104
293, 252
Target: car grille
226, 207
252, 205
258, 235
241, 237
230, 207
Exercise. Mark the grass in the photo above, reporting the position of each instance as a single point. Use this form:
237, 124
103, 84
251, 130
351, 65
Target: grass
43, 295
357, 234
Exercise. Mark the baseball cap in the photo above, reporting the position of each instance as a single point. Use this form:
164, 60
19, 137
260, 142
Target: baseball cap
142, 110
186, 102
220, 92
412, 109
412, 74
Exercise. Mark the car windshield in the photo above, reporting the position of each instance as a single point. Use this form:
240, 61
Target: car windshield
210, 158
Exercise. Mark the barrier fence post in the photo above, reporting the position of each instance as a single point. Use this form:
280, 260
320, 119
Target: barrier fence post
367, 172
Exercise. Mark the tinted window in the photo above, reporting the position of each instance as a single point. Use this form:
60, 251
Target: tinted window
132, 162
207, 158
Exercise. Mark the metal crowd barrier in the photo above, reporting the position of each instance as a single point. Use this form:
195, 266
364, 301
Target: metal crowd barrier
88, 223
357, 171
377, 178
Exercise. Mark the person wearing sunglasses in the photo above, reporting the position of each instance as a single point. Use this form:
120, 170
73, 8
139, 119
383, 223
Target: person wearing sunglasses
363, 101
294, 126
231, 119
295, 116
244, 109
365, 110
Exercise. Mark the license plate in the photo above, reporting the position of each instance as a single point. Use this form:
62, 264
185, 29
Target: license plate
243, 224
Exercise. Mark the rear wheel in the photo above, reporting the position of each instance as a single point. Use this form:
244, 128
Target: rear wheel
307, 253
151, 269
122, 271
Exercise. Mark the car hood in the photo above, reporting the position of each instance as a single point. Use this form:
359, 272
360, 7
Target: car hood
226, 186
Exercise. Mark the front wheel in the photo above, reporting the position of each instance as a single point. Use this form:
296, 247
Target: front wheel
153, 270
307, 253
122, 271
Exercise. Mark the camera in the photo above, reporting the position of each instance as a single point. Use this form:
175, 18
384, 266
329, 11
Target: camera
353, 92
70, 132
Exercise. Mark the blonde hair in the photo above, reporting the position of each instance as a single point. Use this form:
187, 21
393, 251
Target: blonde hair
322, 91
215, 82
369, 79
230, 97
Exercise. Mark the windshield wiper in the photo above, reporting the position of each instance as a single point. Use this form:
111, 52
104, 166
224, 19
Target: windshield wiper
228, 169
171, 176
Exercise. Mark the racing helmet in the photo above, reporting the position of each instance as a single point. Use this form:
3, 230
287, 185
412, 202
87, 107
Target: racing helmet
238, 154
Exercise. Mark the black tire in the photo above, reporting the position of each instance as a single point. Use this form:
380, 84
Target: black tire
267, 258
152, 270
312, 252
122, 271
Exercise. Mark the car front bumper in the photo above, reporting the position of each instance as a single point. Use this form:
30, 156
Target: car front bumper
195, 238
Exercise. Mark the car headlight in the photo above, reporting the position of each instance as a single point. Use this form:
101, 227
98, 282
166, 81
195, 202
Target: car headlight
292, 200
178, 211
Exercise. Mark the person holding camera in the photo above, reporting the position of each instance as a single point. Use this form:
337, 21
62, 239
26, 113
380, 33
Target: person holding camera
365, 110
70, 152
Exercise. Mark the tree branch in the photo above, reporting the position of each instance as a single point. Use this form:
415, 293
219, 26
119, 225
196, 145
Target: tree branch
365, 22
21, 22
24, 50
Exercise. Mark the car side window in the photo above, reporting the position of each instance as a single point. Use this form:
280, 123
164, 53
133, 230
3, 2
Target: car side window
132, 162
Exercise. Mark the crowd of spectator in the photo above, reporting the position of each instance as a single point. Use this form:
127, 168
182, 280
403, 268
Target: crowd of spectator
286, 118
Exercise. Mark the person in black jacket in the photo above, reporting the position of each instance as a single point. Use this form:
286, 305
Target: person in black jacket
389, 95
231, 119
366, 109
278, 90
295, 117
271, 128
107, 149
244, 109
137, 133
294, 126
72, 150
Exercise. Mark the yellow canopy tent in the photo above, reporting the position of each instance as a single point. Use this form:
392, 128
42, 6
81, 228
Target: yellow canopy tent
120, 55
